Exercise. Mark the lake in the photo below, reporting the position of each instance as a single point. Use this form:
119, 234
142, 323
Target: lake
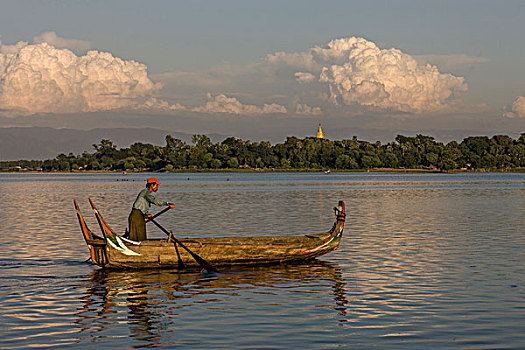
426, 260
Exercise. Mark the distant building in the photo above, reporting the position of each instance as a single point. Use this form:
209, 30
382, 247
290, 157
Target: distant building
320, 132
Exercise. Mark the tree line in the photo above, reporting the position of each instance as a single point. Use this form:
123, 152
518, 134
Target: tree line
418, 152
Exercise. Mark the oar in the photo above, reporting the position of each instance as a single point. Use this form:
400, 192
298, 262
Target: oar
159, 213
206, 265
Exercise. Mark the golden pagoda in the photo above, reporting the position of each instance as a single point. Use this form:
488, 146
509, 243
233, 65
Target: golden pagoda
320, 132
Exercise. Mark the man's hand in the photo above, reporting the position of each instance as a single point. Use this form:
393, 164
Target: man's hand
171, 205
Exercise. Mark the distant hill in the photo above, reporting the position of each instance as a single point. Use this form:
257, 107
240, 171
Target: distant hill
38, 143
45, 143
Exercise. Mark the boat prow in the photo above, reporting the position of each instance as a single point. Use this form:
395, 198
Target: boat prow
113, 251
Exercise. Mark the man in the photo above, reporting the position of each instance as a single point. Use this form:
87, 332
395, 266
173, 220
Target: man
139, 213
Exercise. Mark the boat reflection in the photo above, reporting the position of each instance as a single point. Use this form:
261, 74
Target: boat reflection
147, 302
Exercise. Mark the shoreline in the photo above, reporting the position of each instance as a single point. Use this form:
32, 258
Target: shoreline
273, 170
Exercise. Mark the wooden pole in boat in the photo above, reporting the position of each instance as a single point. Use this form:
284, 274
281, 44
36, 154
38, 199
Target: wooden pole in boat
206, 265
180, 262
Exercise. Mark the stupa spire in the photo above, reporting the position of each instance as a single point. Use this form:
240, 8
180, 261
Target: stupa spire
320, 132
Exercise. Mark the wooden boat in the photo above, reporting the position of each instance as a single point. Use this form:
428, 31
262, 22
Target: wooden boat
114, 251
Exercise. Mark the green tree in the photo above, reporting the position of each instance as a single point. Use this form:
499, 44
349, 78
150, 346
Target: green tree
233, 163
215, 163
201, 141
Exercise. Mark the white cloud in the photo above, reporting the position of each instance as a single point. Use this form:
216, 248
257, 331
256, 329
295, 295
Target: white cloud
40, 78
155, 104
448, 62
12, 49
45, 78
304, 109
300, 60
518, 108
302, 77
363, 74
224, 104
350, 72
61, 43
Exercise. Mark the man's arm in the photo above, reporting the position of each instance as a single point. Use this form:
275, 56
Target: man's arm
151, 199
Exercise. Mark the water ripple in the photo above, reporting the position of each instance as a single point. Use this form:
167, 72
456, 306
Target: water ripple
427, 260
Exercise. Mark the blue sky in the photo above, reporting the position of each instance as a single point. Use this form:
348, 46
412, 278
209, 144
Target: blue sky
214, 66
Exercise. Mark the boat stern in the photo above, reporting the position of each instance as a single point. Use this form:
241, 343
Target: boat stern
96, 244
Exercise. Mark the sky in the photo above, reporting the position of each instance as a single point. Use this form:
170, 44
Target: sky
265, 70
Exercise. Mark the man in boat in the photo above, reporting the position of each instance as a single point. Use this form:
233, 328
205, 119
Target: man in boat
139, 213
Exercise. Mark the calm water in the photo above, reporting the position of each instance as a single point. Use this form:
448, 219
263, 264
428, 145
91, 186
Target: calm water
426, 261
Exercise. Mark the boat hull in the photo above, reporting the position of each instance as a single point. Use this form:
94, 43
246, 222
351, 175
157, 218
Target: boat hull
115, 252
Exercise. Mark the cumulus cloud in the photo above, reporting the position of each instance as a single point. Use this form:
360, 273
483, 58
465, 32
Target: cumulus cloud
156, 104
517, 110
387, 79
46, 77
40, 78
359, 73
224, 104
61, 43
304, 109
346, 72
448, 62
